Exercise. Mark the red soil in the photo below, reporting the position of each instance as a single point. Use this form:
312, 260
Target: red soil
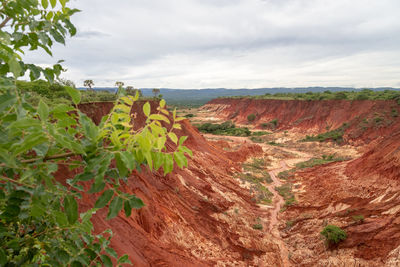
313, 117
189, 217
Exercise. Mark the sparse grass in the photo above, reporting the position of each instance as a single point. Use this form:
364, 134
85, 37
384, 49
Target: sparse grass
285, 191
289, 224
273, 143
256, 139
267, 177
285, 175
358, 218
260, 133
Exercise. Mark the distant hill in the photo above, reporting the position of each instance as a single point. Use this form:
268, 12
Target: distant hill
197, 97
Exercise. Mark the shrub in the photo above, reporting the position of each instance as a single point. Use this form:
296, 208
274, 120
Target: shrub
289, 224
258, 226
190, 115
251, 117
333, 234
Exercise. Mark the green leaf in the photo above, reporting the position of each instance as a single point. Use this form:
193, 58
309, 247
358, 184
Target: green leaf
15, 67
53, 3
3, 257
124, 259
115, 207
106, 260
168, 163
61, 219
74, 94
111, 252
146, 109
45, 4
62, 256
122, 169
162, 103
127, 208
104, 199
136, 203
173, 137
180, 159
182, 139
71, 209
43, 110
57, 36
128, 159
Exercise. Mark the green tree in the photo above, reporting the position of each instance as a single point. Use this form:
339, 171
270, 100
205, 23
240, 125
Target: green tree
88, 83
40, 222
119, 84
156, 92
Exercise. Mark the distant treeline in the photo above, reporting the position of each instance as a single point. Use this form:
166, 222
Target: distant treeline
365, 94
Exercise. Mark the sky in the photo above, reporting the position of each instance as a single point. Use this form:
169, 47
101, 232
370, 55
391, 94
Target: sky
232, 43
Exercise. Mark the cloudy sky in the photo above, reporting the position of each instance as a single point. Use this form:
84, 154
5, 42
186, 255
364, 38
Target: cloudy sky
233, 43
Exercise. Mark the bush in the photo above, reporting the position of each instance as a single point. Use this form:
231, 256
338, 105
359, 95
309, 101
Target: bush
251, 117
333, 234
258, 226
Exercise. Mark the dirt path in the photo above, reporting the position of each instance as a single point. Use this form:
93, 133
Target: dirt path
273, 220
277, 200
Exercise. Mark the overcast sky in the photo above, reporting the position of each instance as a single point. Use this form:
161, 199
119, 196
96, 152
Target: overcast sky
233, 43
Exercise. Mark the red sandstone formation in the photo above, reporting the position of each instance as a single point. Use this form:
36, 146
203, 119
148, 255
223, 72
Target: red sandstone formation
367, 119
198, 216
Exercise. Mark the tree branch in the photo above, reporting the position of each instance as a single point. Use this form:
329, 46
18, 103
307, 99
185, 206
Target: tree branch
58, 156
7, 19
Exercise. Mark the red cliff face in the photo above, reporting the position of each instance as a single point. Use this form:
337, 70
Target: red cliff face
196, 216
367, 119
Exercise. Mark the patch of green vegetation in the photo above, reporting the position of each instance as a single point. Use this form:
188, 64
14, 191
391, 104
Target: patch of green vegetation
251, 117
285, 175
333, 234
267, 177
289, 224
334, 135
273, 143
270, 125
285, 191
394, 113
365, 94
257, 226
358, 218
319, 161
256, 139
261, 194
225, 128
190, 115
260, 133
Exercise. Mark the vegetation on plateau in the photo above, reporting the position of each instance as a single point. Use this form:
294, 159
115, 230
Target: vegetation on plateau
40, 218
364, 94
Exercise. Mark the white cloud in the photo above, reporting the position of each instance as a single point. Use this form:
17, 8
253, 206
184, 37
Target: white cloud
234, 43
